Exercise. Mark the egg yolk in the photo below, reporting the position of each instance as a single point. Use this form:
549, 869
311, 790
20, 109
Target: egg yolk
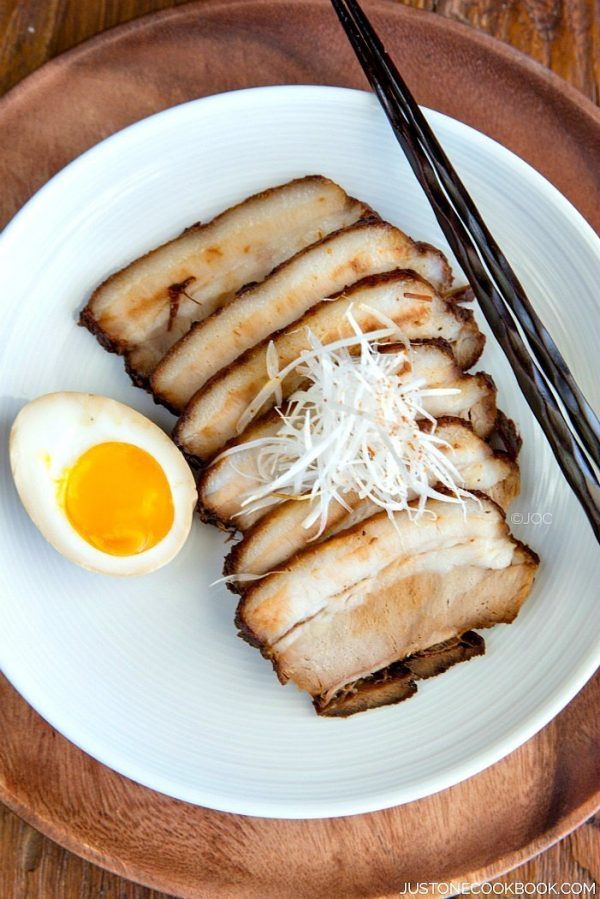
117, 498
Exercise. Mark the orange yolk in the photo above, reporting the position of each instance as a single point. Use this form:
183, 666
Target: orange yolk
117, 498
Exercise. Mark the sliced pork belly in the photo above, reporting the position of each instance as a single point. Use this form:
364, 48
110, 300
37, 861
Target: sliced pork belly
386, 590
397, 681
143, 309
320, 578
402, 615
229, 480
223, 485
211, 417
391, 685
288, 293
279, 534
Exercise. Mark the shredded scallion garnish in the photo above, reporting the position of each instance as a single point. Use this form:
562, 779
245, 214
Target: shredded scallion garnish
354, 427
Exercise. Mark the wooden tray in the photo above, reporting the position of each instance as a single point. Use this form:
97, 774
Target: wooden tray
477, 829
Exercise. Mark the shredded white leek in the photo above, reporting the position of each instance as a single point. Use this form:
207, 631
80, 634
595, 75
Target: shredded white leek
352, 428
241, 578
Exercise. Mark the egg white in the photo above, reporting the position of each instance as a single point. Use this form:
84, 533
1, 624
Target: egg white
49, 435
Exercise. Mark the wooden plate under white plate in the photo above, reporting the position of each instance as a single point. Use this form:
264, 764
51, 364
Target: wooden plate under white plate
476, 829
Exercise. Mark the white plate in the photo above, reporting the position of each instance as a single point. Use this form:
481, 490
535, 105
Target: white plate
147, 675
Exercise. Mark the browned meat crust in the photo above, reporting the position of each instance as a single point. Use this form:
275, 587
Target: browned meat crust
462, 294
175, 383
198, 430
390, 686
480, 413
397, 682
240, 558
508, 434
469, 594
165, 293
88, 320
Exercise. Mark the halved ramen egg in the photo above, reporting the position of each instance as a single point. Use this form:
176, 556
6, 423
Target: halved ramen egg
104, 485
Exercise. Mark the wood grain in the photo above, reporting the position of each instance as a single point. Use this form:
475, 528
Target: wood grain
489, 823
565, 37
32, 867
562, 34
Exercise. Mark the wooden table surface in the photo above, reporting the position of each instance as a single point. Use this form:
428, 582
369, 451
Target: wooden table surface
562, 34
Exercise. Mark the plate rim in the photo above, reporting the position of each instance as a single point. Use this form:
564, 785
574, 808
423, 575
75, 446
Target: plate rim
477, 761
134, 872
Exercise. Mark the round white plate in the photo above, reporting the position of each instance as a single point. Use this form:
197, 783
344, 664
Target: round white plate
147, 674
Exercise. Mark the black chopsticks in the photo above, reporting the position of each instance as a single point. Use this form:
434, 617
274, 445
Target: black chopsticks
574, 434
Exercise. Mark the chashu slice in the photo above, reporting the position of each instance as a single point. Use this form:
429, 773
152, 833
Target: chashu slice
398, 681
280, 534
230, 479
386, 590
314, 274
210, 419
325, 576
146, 307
